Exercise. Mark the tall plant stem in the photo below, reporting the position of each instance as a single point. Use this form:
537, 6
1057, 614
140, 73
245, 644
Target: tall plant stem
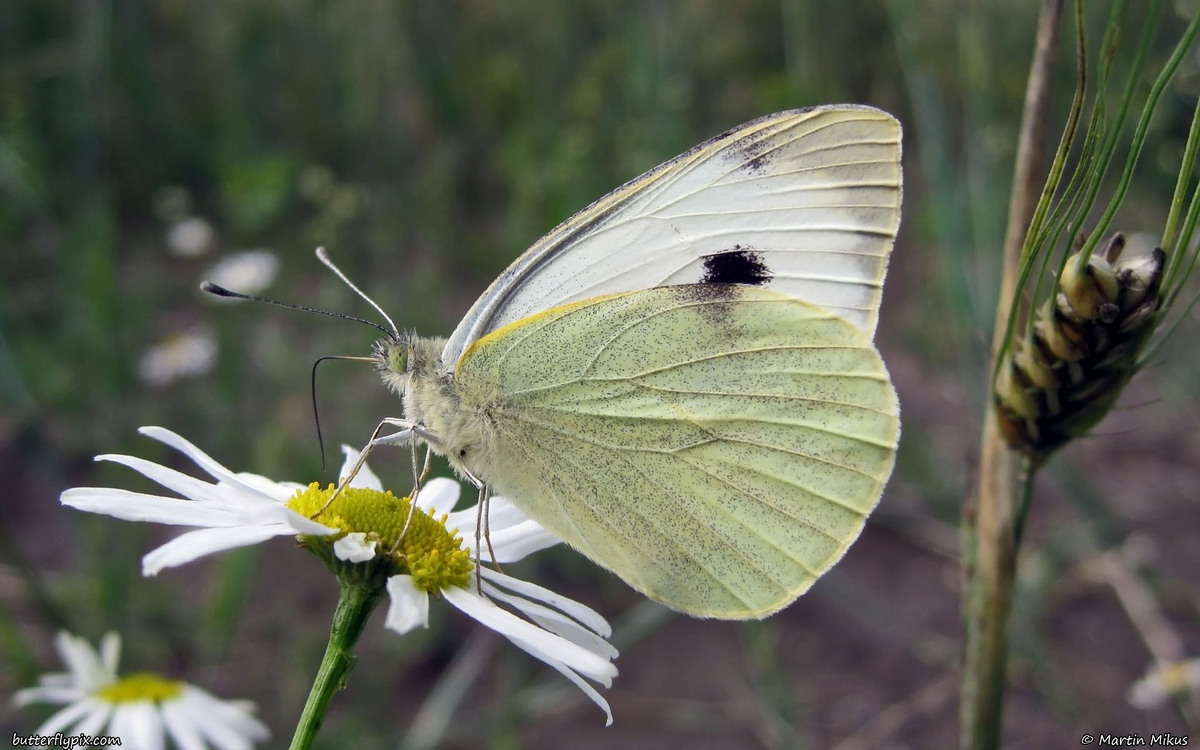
355, 603
991, 524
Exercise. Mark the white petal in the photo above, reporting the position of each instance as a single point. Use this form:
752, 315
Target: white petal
182, 721
57, 680
279, 492
555, 622
139, 724
94, 722
64, 720
200, 458
189, 487
355, 548
304, 525
501, 515
515, 542
565, 671
134, 506
365, 478
234, 718
581, 612
82, 661
409, 606
439, 495
110, 652
44, 694
197, 544
76, 654
555, 647
228, 725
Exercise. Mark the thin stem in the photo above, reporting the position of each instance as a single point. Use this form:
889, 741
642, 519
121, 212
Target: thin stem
1139, 136
1181, 185
989, 528
354, 607
1025, 493
1024, 217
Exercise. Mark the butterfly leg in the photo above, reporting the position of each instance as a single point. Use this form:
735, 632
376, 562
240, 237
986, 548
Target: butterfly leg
482, 526
481, 519
408, 432
418, 483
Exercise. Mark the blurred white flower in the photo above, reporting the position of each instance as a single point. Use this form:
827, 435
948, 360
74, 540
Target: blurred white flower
1162, 682
248, 271
139, 707
423, 553
178, 356
190, 237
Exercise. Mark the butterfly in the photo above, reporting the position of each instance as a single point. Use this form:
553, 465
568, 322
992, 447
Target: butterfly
680, 379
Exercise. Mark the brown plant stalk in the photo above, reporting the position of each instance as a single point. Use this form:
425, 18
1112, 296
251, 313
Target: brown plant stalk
990, 521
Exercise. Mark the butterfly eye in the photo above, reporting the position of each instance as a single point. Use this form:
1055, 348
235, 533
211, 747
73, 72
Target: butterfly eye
398, 358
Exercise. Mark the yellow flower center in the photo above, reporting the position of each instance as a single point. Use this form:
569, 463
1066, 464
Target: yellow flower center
432, 554
140, 686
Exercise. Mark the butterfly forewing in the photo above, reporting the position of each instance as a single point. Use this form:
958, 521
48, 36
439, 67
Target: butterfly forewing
805, 202
717, 446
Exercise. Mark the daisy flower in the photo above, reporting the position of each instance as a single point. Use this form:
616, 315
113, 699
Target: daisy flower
1163, 681
178, 356
369, 536
136, 708
190, 237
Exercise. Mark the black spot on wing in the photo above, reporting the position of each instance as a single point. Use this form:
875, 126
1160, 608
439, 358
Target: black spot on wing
738, 265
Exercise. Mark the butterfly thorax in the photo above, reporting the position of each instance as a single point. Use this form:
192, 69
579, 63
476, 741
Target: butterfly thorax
416, 373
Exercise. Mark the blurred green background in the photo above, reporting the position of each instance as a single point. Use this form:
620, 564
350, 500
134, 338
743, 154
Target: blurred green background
426, 144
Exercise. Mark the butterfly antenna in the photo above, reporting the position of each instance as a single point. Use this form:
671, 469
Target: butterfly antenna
219, 291
323, 256
316, 411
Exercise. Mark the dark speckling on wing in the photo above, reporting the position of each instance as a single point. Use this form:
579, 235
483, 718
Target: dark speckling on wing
738, 265
714, 299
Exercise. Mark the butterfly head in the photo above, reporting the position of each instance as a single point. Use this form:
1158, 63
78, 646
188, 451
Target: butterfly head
393, 361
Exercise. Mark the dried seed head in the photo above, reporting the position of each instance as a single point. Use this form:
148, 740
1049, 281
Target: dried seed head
1064, 375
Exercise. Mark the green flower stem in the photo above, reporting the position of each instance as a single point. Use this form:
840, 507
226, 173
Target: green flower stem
354, 607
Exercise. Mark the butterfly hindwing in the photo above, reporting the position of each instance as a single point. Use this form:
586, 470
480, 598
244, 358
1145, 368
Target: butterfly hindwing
717, 446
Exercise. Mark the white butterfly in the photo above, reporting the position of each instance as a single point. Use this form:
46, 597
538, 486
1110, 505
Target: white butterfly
680, 380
